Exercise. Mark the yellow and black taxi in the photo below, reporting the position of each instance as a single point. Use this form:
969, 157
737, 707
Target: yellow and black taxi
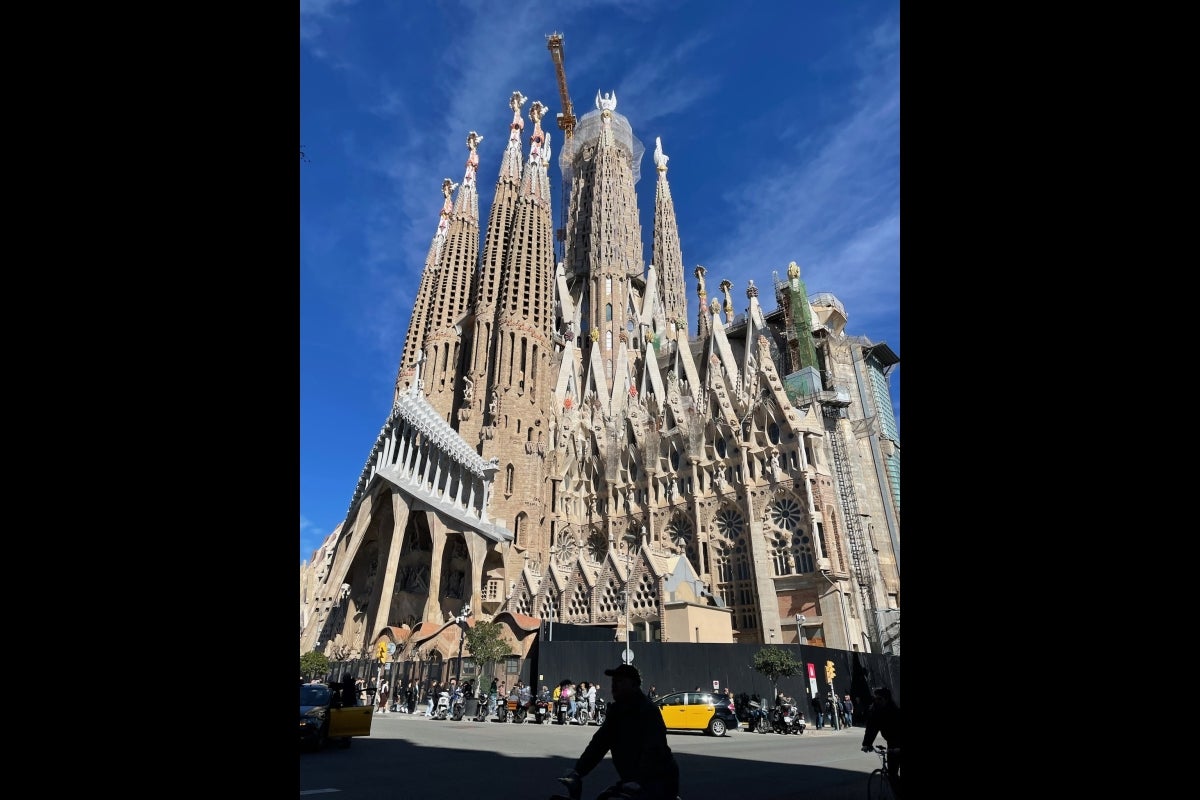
697, 711
323, 717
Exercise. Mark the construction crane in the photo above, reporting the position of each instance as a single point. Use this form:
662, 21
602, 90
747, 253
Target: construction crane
566, 123
566, 119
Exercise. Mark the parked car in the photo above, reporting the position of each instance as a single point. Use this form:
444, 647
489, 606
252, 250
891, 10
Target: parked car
697, 711
322, 717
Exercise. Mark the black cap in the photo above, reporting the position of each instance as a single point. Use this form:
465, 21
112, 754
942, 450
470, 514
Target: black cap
625, 671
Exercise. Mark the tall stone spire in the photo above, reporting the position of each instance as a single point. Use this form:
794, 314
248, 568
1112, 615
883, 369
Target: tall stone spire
458, 264
604, 236
414, 340
521, 388
666, 255
478, 368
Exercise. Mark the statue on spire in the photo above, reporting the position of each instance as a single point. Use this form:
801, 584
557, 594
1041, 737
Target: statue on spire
536, 112
448, 187
515, 102
473, 140
607, 102
660, 159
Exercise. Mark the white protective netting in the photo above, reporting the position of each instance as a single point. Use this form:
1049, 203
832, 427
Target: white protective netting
587, 131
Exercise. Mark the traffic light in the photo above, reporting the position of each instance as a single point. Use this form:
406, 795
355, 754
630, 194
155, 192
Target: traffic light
830, 673
381, 652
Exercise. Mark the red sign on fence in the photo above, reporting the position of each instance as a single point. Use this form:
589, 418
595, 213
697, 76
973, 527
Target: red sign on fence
812, 671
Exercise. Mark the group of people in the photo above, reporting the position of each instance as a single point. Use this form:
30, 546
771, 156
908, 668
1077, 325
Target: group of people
584, 693
827, 709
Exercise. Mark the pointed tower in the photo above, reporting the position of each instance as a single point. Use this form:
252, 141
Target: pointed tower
702, 322
458, 265
478, 368
519, 401
667, 256
603, 251
414, 340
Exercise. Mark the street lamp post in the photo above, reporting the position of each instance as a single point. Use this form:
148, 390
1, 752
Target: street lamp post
461, 622
627, 653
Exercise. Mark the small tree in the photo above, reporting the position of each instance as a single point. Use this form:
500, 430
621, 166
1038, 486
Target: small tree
486, 644
776, 663
313, 664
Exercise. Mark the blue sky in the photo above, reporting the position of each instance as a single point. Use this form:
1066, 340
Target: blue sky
781, 120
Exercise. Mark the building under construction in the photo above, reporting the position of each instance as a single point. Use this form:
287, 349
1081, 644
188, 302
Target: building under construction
564, 447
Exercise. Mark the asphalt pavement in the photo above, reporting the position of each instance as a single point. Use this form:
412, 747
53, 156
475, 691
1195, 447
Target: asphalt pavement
411, 755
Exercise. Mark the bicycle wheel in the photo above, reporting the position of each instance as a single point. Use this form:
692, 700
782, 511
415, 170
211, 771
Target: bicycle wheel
878, 787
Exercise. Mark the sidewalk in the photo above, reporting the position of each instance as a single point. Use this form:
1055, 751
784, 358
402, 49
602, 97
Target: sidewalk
810, 730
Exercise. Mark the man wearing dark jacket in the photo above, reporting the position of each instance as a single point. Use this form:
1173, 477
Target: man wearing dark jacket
635, 733
884, 718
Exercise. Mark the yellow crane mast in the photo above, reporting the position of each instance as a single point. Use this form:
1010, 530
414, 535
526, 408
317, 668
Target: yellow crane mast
566, 119
566, 123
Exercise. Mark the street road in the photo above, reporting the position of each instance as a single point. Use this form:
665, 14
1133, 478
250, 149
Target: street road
422, 759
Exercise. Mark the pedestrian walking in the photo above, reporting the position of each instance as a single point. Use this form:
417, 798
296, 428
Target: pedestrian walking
848, 711
382, 698
831, 710
818, 711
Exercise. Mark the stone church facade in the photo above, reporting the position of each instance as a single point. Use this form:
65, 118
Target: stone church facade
561, 446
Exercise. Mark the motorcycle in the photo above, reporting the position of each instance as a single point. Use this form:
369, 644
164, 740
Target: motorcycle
481, 711
456, 706
443, 705
601, 711
583, 714
564, 710
545, 711
517, 711
757, 719
786, 719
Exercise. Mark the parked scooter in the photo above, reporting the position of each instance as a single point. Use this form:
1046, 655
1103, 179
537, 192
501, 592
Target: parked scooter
564, 710
456, 705
786, 719
545, 711
525, 706
514, 710
442, 710
757, 720
601, 711
481, 712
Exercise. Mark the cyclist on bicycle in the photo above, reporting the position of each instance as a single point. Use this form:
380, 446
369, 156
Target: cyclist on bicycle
635, 733
884, 718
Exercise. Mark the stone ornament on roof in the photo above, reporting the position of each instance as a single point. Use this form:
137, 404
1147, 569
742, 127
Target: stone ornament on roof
515, 102
473, 140
606, 102
660, 159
